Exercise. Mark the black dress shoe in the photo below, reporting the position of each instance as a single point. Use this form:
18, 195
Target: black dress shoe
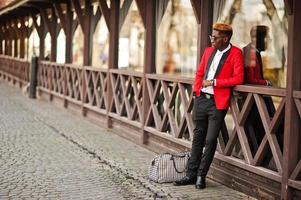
185, 181
200, 182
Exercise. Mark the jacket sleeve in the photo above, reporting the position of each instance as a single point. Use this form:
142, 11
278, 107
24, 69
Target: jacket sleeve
237, 77
199, 75
252, 76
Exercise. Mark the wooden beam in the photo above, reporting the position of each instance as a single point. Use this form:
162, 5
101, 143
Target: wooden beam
292, 128
161, 6
113, 52
150, 37
10, 39
142, 10
61, 16
1, 40
67, 23
105, 10
124, 12
95, 19
17, 36
47, 22
70, 24
41, 30
79, 12
289, 6
204, 15
197, 5
149, 58
52, 26
22, 39
88, 34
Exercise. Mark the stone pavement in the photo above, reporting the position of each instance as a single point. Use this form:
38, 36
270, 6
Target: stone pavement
47, 152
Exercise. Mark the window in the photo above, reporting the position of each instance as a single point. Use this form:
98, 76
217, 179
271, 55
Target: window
243, 15
177, 40
131, 41
100, 56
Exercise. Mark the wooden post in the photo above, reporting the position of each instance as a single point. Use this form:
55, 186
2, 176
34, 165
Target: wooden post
88, 34
84, 19
1, 39
149, 58
16, 47
16, 37
6, 45
203, 10
52, 26
29, 30
292, 123
9, 40
42, 34
22, 38
53, 30
34, 77
67, 23
69, 34
113, 27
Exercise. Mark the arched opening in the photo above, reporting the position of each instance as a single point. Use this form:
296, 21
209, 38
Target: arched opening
34, 44
177, 40
47, 47
243, 15
78, 47
101, 45
131, 41
61, 47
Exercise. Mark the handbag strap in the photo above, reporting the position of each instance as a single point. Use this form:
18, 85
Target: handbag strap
174, 164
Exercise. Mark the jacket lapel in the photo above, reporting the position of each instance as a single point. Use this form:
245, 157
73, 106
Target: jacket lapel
222, 62
209, 63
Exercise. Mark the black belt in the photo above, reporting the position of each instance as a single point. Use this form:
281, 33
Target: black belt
207, 96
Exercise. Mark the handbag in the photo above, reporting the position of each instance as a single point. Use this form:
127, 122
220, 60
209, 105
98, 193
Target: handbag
168, 167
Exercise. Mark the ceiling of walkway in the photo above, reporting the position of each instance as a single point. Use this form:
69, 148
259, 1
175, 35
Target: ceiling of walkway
21, 8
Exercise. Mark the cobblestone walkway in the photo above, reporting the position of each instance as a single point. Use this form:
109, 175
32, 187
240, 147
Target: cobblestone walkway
47, 152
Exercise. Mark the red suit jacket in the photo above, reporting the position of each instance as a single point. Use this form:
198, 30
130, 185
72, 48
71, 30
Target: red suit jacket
230, 72
253, 66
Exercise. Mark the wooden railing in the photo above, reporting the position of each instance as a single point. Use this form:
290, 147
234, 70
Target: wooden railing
14, 70
253, 144
170, 108
95, 93
295, 178
126, 103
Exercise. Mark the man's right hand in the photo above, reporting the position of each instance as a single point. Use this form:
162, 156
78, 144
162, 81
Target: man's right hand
207, 83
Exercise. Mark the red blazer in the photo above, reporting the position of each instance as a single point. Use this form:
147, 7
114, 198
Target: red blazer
230, 72
253, 66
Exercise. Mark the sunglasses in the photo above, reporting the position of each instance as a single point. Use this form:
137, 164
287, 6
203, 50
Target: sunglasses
214, 38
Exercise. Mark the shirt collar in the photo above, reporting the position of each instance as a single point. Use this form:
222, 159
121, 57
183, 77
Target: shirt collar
226, 49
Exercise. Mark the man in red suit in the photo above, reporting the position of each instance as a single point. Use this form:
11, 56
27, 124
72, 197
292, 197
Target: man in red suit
252, 57
254, 75
220, 69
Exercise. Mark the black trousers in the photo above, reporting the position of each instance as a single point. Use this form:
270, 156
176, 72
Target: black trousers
208, 122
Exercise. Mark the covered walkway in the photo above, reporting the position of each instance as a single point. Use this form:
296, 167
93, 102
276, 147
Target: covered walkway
49, 153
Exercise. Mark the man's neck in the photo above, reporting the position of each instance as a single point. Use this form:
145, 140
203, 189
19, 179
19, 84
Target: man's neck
223, 47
